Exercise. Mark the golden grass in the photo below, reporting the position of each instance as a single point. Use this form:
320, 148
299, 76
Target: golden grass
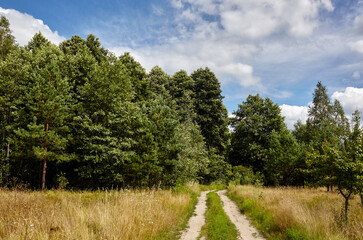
91, 215
316, 211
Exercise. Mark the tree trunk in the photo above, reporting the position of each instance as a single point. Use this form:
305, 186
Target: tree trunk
346, 205
346, 209
150, 181
44, 172
45, 159
361, 199
8, 151
327, 188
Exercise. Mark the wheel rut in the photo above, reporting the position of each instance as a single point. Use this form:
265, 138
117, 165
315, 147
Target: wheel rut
196, 222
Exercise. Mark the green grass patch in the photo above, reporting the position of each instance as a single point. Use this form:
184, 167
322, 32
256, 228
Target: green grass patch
263, 220
218, 225
213, 187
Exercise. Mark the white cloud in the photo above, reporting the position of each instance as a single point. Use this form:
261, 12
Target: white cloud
233, 36
358, 23
356, 75
328, 5
261, 18
24, 26
294, 113
190, 55
357, 46
351, 99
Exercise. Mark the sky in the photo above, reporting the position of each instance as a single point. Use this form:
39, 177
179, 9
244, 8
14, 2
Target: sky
277, 48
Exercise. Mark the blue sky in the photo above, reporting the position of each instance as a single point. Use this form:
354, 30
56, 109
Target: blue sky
278, 48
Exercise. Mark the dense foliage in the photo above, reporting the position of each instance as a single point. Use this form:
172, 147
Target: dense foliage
77, 116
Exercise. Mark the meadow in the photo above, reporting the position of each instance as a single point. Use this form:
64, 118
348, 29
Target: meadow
299, 213
139, 214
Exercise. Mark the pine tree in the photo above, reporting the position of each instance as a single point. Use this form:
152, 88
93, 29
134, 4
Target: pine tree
37, 42
181, 90
7, 41
47, 110
138, 76
14, 74
211, 114
103, 127
159, 81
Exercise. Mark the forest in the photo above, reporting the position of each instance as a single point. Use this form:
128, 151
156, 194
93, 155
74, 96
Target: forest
76, 116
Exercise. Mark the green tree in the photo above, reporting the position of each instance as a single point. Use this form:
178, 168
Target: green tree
47, 110
79, 64
255, 120
181, 90
159, 81
37, 42
354, 148
7, 41
193, 154
103, 127
211, 114
14, 74
320, 110
94, 45
284, 165
138, 76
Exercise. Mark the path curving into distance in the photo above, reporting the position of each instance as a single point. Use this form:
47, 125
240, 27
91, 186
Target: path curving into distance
243, 225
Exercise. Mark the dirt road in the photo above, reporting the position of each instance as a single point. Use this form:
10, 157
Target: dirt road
243, 225
245, 229
197, 220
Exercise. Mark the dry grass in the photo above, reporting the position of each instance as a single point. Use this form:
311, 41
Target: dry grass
317, 212
91, 215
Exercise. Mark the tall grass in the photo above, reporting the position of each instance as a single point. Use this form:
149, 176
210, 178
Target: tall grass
297, 213
92, 215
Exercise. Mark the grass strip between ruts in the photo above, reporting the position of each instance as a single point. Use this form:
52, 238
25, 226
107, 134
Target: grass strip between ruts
217, 225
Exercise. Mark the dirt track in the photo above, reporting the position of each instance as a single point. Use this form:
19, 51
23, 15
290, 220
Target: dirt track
197, 220
245, 229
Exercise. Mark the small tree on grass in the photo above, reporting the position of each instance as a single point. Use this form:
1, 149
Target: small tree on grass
344, 174
355, 151
343, 162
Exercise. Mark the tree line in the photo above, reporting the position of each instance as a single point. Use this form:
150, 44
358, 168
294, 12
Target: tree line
76, 115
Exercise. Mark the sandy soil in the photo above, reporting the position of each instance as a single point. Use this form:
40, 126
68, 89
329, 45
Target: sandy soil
246, 230
197, 220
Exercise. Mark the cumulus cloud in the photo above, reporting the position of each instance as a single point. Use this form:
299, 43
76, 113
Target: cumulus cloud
226, 35
351, 99
24, 26
260, 18
357, 46
294, 113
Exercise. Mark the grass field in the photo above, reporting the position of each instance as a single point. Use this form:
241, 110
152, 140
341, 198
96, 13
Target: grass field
297, 213
93, 215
